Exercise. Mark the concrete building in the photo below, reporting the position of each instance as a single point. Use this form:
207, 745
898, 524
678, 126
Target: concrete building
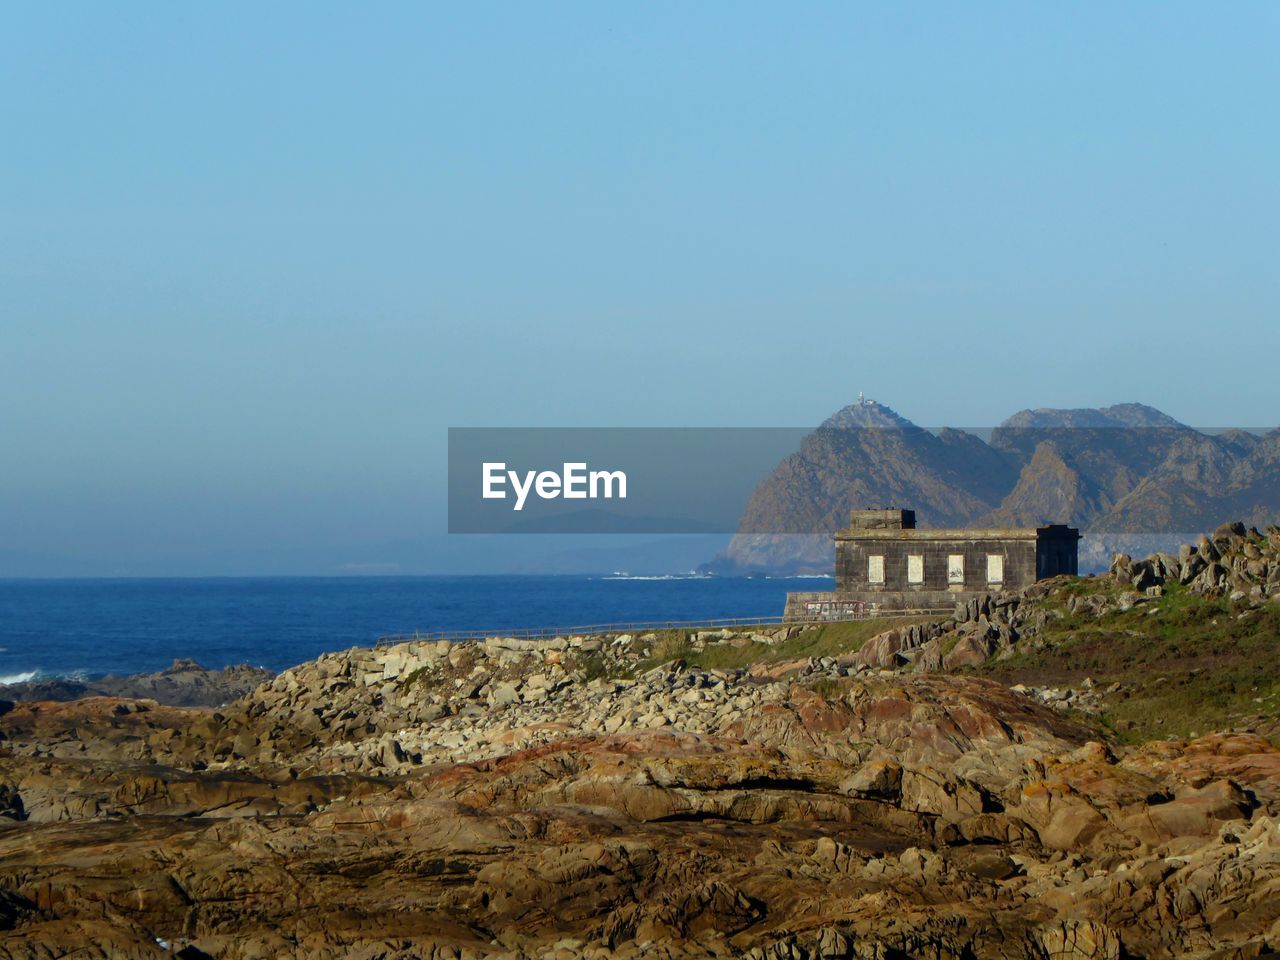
884, 563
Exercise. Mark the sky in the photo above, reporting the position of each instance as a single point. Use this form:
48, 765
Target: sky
256, 259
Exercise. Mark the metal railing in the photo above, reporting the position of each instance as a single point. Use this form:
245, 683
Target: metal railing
649, 626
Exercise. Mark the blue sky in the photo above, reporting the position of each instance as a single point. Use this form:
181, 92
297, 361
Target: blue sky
255, 259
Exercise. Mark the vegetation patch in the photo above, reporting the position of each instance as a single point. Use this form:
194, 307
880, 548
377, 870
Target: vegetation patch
594, 666
424, 678
829, 688
1182, 665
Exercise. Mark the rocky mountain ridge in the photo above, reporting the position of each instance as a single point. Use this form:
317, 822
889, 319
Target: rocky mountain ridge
1124, 474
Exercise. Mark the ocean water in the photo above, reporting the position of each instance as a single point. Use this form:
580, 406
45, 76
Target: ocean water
94, 627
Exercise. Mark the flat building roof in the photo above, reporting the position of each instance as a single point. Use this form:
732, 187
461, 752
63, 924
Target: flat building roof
976, 533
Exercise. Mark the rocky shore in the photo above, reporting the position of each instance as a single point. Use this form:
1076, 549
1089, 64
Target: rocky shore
856, 790
185, 683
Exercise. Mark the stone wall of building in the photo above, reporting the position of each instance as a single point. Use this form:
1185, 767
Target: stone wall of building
884, 564
945, 564
835, 605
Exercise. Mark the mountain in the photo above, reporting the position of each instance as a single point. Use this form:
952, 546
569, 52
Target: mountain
1118, 415
1076, 465
863, 455
1121, 473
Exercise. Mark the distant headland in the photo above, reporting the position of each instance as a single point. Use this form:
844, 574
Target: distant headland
1128, 476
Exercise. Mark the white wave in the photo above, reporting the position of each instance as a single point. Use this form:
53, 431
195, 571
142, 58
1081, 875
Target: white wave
657, 576
72, 676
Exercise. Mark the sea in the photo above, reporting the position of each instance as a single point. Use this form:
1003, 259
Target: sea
87, 628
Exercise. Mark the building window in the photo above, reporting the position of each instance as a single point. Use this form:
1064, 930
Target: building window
915, 569
875, 569
955, 569
995, 568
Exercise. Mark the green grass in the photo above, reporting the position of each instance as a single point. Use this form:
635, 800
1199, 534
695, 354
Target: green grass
1191, 668
1084, 587
593, 666
423, 677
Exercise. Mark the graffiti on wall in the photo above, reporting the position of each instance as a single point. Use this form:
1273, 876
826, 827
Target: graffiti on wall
836, 609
